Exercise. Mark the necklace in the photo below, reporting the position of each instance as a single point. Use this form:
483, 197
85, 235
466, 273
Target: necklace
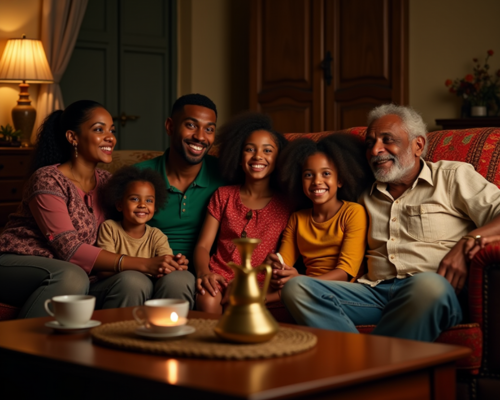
87, 198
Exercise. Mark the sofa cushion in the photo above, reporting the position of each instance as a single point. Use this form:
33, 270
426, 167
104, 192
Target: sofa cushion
477, 146
122, 158
8, 312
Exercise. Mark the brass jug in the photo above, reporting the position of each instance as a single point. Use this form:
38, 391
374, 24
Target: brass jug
246, 318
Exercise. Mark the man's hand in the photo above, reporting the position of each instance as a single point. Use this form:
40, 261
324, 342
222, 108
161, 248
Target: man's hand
210, 282
472, 246
454, 267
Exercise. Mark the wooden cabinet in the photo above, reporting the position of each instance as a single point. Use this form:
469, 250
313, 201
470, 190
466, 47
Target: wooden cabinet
323, 64
15, 166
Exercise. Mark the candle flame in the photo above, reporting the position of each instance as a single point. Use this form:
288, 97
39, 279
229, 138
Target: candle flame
174, 317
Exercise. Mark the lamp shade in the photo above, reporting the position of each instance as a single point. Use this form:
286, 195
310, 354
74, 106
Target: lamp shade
25, 60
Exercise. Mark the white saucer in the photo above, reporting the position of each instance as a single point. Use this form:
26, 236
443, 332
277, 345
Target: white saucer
61, 328
184, 331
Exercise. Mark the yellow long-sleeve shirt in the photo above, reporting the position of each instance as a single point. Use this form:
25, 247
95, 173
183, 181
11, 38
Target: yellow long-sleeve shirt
339, 242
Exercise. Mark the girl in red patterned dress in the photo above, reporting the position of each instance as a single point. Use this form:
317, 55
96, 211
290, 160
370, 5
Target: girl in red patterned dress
250, 208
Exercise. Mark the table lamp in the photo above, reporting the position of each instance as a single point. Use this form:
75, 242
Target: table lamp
24, 60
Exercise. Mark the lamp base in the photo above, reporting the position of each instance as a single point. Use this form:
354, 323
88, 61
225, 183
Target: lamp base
24, 115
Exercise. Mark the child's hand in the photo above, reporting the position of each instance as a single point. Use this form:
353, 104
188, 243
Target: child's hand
472, 246
282, 276
274, 261
161, 265
211, 282
182, 261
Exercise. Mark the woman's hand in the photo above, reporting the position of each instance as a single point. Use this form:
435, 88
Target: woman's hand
162, 265
210, 282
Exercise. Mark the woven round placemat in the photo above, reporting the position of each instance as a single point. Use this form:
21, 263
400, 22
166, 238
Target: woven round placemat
203, 343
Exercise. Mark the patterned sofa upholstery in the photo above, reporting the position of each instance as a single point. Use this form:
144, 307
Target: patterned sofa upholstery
480, 372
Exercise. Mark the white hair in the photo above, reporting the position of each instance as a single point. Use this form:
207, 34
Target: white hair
413, 124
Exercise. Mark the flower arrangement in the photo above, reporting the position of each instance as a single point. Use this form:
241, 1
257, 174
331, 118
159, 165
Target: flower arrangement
479, 88
9, 136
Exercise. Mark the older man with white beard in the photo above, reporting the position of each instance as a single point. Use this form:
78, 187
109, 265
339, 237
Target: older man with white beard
425, 222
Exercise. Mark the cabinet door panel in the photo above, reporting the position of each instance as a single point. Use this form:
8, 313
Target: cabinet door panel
285, 43
369, 42
285, 77
290, 116
363, 51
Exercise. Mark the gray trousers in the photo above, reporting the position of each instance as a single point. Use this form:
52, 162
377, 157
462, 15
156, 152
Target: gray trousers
27, 281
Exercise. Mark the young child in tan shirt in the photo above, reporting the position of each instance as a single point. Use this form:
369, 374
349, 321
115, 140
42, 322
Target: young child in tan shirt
131, 198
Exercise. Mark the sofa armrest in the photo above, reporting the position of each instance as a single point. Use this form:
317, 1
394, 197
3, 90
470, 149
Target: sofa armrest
484, 298
479, 285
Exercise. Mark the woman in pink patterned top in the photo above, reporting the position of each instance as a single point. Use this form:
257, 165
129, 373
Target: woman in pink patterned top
47, 248
251, 208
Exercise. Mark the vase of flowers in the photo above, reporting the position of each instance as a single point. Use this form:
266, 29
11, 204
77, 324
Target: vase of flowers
478, 90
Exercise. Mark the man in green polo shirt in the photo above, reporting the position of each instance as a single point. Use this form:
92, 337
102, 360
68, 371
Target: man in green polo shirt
192, 176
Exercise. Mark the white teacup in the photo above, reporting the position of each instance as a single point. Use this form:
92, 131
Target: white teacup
72, 311
162, 315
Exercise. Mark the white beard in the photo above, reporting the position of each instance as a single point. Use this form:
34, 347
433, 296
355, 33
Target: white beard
401, 167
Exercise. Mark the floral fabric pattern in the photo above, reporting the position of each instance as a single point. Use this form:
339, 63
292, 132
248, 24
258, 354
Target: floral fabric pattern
22, 234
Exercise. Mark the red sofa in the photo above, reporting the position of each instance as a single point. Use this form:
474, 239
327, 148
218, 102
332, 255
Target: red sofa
479, 374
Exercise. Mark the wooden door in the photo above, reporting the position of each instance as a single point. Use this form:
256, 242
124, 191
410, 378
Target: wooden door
368, 40
323, 64
125, 59
286, 44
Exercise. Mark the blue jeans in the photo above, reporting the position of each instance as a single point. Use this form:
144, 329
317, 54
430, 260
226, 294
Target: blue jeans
419, 307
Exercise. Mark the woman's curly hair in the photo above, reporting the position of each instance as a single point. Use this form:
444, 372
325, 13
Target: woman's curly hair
115, 189
231, 140
346, 151
52, 147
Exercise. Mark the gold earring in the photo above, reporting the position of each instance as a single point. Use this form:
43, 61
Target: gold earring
76, 150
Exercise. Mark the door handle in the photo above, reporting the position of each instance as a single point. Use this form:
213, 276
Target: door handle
123, 118
326, 65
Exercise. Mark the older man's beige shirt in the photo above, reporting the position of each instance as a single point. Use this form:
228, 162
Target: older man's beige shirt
413, 233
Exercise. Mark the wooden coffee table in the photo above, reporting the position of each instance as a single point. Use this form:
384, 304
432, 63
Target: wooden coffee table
36, 362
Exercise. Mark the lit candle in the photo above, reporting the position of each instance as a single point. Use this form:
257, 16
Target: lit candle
174, 317
172, 320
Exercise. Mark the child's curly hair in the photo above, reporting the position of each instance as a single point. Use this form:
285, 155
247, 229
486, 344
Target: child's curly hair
231, 138
115, 188
346, 151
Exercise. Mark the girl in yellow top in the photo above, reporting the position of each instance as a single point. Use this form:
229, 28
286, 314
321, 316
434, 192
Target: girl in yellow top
331, 236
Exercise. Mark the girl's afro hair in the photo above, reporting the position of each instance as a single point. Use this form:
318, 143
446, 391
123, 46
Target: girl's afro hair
346, 151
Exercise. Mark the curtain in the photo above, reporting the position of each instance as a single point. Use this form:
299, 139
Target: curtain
61, 21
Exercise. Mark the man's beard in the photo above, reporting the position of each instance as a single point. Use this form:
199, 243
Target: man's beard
402, 165
192, 160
